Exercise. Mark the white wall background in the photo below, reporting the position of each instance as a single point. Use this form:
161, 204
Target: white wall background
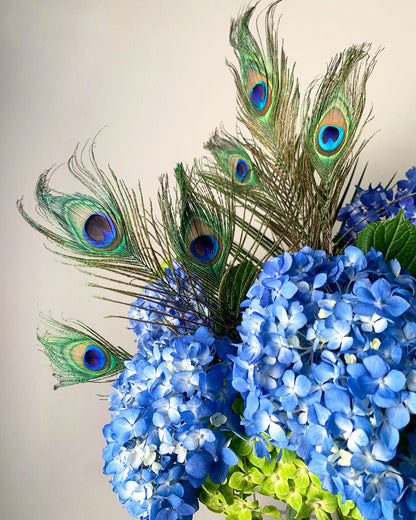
153, 74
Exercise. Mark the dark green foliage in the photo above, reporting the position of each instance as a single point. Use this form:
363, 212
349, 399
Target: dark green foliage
395, 238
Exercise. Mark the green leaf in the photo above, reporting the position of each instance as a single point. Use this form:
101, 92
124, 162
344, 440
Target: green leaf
239, 446
227, 493
245, 514
290, 513
288, 456
329, 503
256, 461
238, 408
240, 465
395, 238
295, 500
315, 480
268, 468
256, 515
271, 511
281, 489
209, 485
345, 507
287, 470
237, 481
301, 480
305, 511
355, 513
268, 487
236, 507
211, 500
321, 515
256, 476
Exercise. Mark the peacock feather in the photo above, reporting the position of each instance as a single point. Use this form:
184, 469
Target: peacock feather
267, 91
234, 166
79, 354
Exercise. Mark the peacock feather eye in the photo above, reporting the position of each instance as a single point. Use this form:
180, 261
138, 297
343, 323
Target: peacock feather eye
204, 243
258, 95
94, 358
90, 357
258, 91
99, 230
93, 227
240, 169
331, 132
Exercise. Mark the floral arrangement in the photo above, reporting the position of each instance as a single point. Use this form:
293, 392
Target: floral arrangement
316, 402
273, 358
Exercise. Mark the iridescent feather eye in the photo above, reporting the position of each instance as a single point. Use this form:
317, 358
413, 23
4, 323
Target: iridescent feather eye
204, 243
95, 228
232, 160
258, 91
331, 132
90, 358
99, 230
240, 169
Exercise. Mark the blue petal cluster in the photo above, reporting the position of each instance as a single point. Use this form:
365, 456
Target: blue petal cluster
327, 367
379, 203
152, 317
171, 423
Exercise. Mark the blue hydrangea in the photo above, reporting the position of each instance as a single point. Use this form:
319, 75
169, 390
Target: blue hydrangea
378, 203
152, 318
171, 424
327, 368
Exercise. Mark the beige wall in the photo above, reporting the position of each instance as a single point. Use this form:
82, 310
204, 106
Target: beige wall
153, 74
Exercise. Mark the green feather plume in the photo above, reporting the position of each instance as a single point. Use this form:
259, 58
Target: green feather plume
267, 91
80, 354
336, 108
331, 131
111, 231
97, 231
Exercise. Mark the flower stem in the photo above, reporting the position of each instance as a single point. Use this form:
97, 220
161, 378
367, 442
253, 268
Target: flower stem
337, 515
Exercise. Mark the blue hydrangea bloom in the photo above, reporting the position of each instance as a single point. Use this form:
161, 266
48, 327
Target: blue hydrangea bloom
378, 203
327, 368
151, 317
172, 422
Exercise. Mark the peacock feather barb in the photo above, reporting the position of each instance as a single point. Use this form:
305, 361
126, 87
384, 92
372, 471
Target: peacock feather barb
216, 406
